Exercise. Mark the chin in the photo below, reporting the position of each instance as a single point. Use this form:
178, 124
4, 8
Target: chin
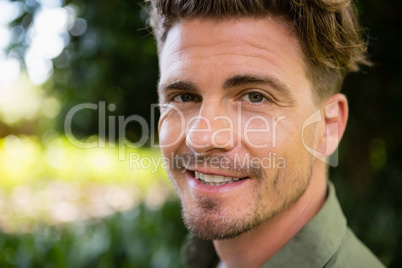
209, 222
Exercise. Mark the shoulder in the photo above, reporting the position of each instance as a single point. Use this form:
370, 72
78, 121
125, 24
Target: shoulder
353, 253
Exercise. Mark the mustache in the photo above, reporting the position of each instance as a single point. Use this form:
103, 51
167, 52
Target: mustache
234, 165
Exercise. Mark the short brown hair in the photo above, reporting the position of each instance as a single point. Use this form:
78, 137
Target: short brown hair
328, 30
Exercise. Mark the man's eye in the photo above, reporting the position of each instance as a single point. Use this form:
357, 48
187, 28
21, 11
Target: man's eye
185, 98
253, 97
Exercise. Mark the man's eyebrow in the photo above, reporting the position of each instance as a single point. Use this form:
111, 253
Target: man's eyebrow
247, 79
235, 81
178, 85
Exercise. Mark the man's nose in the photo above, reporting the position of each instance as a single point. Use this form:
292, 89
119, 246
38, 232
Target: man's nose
211, 131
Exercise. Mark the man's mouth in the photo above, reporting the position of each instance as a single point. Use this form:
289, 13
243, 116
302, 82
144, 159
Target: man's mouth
214, 179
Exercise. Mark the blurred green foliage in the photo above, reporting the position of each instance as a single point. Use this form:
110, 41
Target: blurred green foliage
369, 176
28, 160
115, 61
140, 237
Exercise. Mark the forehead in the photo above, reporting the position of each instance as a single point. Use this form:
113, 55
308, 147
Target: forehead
224, 48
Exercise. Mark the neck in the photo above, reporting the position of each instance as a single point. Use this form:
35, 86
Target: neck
255, 247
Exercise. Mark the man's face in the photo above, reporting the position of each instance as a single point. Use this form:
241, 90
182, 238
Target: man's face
234, 96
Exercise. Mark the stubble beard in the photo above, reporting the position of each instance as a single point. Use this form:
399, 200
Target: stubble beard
210, 220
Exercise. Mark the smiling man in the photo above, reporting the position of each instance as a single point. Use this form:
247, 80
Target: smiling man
250, 113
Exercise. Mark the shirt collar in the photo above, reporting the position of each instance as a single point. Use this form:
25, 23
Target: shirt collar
317, 241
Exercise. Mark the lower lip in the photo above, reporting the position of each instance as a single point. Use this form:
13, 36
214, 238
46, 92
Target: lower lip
212, 189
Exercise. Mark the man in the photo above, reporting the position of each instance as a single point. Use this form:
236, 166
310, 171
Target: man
250, 113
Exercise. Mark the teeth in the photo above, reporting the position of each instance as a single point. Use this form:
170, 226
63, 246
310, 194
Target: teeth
208, 178
214, 179
219, 179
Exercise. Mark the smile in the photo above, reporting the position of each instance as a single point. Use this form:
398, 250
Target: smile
214, 179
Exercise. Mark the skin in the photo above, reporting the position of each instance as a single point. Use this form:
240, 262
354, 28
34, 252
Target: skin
233, 89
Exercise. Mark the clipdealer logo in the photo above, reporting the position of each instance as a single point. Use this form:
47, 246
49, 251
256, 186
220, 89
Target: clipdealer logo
107, 123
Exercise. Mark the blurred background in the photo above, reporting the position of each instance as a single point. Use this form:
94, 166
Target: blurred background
62, 205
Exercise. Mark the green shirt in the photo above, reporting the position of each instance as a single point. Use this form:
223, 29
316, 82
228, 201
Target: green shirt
325, 241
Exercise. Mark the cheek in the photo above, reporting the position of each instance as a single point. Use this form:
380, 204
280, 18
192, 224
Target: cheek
288, 139
257, 132
263, 131
275, 133
171, 128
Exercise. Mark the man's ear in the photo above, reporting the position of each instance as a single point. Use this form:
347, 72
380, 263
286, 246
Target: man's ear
335, 113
